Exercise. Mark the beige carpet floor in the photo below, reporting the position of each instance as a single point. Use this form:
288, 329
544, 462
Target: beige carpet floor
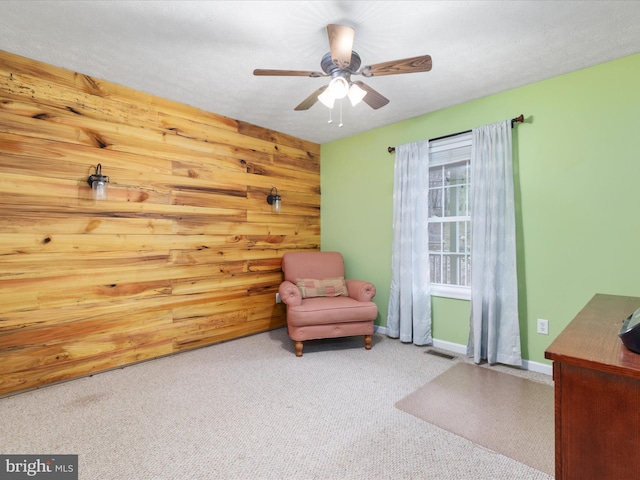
508, 414
249, 409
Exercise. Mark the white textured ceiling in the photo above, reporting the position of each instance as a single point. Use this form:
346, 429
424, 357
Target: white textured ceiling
203, 53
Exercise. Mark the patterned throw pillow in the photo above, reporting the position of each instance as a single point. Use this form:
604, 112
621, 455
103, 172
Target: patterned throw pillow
329, 287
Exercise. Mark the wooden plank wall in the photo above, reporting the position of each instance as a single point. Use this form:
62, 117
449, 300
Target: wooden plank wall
184, 253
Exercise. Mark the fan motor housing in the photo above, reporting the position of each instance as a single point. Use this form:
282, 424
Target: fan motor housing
330, 68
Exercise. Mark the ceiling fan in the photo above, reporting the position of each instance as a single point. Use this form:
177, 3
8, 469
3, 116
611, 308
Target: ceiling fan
340, 63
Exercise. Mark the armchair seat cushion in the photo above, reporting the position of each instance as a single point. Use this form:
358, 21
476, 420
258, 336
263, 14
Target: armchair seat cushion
329, 310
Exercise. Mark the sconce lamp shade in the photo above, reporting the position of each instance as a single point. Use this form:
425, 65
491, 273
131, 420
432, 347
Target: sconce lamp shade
274, 200
98, 184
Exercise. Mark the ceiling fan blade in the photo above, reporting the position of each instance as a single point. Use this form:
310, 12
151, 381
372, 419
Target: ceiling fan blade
340, 44
288, 73
407, 65
308, 102
372, 98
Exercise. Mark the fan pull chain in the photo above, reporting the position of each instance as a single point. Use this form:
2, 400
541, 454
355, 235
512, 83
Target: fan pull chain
330, 120
340, 124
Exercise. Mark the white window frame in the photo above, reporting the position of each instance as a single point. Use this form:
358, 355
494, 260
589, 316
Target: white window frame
452, 149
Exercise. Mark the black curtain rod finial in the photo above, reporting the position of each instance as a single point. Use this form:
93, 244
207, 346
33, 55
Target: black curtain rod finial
518, 119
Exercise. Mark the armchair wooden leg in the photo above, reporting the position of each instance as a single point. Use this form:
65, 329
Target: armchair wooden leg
367, 342
298, 349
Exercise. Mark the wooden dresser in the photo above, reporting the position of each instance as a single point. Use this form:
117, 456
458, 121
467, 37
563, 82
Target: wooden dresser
597, 394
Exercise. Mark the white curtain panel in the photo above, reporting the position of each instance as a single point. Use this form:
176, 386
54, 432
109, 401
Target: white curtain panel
495, 330
409, 313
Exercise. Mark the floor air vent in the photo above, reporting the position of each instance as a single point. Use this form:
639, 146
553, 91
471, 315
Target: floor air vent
440, 354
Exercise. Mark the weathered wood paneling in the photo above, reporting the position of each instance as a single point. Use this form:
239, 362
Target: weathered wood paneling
184, 253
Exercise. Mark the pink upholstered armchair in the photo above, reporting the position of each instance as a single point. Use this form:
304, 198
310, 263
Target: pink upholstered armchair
321, 303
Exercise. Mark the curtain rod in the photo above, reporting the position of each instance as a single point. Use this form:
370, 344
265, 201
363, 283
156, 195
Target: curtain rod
518, 119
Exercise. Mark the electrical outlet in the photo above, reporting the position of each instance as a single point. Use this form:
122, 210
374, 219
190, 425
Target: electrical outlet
543, 326
278, 299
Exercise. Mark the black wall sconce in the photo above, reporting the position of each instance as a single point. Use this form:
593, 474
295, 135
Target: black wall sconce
274, 200
98, 184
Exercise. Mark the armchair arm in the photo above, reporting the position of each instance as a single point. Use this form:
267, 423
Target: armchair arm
360, 290
290, 293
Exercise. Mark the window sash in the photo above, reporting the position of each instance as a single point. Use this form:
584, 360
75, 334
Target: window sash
450, 216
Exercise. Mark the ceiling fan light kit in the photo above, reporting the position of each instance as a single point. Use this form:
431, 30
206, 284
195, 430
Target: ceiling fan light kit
338, 89
340, 63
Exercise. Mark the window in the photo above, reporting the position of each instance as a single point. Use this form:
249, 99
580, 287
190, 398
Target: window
450, 216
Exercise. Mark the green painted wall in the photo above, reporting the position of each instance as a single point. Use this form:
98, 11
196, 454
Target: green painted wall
577, 174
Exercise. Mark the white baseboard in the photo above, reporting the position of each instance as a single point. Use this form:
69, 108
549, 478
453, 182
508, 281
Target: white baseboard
380, 330
462, 350
450, 346
537, 367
